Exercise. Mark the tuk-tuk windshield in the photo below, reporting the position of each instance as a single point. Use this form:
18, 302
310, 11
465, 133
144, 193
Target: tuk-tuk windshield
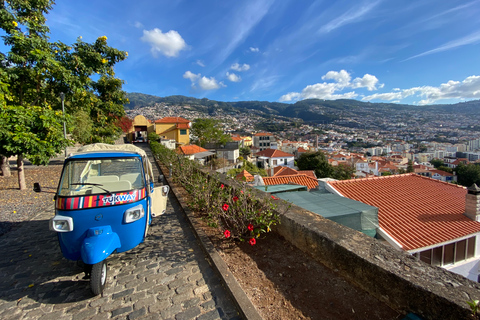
88, 177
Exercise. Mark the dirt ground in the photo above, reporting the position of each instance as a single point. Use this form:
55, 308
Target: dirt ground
284, 283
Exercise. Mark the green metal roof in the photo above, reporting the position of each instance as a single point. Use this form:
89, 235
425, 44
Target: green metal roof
348, 212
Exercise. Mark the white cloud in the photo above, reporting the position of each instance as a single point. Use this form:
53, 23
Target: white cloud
209, 83
204, 83
200, 63
168, 44
331, 90
342, 77
240, 68
368, 81
233, 77
466, 89
138, 25
192, 76
252, 49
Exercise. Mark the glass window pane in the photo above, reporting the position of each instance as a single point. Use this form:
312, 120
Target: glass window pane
425, 256
437, 257
471, 247
460, 250
448, 254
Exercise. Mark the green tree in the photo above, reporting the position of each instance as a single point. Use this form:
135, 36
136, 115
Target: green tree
436, 162
250, 168
209, 131
245, 152
316, 161
468, 174
342, 172
410, 166
34, 72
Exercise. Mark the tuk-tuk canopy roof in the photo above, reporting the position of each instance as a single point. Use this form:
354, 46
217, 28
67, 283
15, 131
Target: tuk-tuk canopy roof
103, 147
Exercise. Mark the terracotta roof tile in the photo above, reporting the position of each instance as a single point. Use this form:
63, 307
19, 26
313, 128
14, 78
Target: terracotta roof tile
190, 149
244, 174
284, 171
172, 120
273, 153
263, 134
300, 179
414, 210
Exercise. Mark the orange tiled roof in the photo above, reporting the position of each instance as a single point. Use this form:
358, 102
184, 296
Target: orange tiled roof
244, 174
172, 120
183, 126
301, 149
309, 173
273, 153
262, 134
300, 179
414, 210
284, 171
190, 149
236, 138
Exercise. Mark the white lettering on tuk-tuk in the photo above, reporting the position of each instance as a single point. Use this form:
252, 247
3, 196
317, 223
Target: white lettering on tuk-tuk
119, 198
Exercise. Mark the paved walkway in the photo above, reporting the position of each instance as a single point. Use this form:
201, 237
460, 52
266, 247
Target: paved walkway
166, 277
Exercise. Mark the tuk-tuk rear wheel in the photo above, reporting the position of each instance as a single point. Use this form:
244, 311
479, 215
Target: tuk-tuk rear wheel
98, 277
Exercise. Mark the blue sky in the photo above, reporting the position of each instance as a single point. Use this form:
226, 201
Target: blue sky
414, 52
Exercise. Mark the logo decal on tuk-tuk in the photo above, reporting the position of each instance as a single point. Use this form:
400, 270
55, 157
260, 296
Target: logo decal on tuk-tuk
86, 202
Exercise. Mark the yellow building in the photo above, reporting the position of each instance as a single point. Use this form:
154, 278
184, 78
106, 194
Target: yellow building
141, 127
175, 128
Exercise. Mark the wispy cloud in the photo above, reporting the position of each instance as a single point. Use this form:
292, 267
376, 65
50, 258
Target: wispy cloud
470, 39
241, 27
354, 14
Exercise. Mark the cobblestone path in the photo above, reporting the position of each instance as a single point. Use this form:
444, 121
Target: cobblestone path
166, 277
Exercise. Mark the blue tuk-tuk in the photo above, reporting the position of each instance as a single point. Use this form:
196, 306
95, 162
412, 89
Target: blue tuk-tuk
104, 203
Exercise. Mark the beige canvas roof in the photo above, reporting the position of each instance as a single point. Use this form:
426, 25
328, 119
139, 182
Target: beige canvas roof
103, 147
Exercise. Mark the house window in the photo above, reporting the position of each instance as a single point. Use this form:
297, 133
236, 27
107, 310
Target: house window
183, 132
274, 162
285, 161
450, 253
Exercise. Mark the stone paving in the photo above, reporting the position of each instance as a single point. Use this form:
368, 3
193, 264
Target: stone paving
166, 277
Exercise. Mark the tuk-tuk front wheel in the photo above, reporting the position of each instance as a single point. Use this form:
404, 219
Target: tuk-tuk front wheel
98, 277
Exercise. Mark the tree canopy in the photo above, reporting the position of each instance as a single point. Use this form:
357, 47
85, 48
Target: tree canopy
208, 130
468, 174
33, 74
318, 162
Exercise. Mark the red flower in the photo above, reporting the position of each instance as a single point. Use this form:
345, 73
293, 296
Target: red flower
252, 241
222, 186
225, 207
241, 191
235, 199
250, 227
226, 233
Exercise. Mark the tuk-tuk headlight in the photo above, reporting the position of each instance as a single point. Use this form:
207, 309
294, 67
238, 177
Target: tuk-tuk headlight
134, 213
165, 190
61, 224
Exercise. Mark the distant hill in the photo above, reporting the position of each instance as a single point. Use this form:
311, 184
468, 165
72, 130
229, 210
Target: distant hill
309, 110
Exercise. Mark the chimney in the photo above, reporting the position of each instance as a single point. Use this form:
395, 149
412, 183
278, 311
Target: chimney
472, 203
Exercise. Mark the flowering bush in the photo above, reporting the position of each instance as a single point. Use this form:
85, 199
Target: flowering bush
242, 216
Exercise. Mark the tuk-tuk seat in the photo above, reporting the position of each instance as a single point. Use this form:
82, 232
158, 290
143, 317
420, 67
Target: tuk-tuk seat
113, 186
102, 179
134, 178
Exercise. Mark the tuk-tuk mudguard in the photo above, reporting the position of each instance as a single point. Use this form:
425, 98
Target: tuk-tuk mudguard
99, 244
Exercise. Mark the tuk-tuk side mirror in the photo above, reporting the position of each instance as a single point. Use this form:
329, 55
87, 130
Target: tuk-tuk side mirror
36, 187
161, 178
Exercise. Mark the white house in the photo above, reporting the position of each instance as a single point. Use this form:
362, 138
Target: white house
270, 158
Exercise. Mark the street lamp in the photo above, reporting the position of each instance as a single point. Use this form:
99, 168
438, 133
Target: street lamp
62, 97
